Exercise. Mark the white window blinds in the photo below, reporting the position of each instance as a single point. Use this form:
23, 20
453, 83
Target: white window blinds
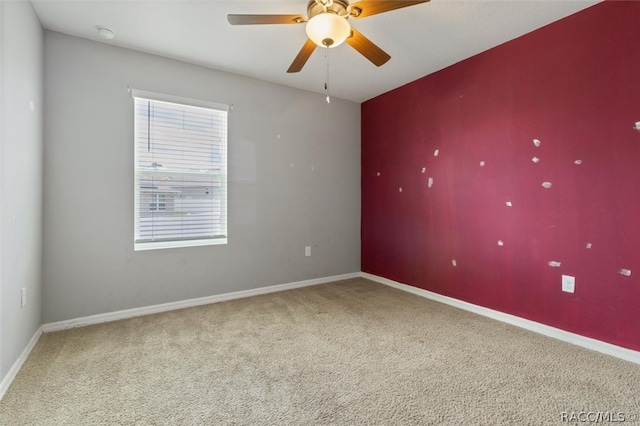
180, 172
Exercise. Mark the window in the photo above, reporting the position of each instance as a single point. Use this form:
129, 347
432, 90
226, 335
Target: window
158, 202
180, 172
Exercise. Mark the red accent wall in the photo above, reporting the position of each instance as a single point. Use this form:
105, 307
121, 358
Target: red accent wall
575, 86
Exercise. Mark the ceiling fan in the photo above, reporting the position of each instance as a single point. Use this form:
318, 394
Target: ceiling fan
327, 26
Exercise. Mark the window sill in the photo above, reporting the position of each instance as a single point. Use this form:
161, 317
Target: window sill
156, 245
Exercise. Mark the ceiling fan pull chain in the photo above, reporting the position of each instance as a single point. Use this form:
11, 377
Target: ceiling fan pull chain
326, 83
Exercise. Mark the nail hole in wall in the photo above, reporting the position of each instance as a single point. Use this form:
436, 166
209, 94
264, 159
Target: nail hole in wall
625, 272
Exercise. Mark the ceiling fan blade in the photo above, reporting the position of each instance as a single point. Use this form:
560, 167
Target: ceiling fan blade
365, 8
303, 56
265, 19
367, 48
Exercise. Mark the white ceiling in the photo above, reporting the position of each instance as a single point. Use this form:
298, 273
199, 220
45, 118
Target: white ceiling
420, 39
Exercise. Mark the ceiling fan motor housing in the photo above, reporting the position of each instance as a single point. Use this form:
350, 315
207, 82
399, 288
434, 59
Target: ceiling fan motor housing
338, 7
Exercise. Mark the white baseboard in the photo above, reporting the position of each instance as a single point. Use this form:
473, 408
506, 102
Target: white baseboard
154, 309
556, 333
13, 371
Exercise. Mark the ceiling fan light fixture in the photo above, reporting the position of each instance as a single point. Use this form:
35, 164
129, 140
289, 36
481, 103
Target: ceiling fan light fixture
328, 29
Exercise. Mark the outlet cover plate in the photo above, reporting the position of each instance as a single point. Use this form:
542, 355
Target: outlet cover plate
568, 283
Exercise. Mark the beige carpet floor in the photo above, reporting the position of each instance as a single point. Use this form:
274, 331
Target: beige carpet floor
346, 353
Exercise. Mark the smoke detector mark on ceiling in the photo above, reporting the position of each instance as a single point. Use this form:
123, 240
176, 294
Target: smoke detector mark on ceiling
105, 33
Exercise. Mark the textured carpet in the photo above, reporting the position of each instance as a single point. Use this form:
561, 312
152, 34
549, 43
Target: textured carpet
351, 352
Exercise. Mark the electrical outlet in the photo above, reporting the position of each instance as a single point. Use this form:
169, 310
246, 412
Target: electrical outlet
23, 298
307, 251
568, 283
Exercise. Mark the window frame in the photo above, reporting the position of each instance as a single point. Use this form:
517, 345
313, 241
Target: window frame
180, 242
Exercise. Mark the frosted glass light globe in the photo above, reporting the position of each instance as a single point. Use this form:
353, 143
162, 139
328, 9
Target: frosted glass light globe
328, 29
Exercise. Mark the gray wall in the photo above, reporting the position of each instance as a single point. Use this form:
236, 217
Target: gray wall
21, 57
294, 180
